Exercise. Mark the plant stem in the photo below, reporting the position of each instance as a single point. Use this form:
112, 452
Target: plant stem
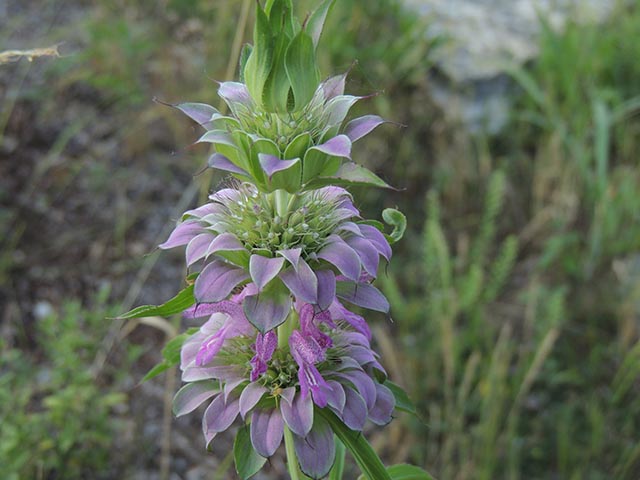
292, 459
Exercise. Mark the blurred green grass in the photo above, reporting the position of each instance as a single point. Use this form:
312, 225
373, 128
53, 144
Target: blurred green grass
516, 293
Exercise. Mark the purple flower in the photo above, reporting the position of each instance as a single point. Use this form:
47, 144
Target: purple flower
325, 363
309, 248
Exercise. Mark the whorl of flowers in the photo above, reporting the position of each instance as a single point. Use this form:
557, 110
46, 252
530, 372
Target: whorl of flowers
280, 258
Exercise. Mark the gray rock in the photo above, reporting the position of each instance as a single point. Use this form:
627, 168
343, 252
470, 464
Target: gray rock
482, 39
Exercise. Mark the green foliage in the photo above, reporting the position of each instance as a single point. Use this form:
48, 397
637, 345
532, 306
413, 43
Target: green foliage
56, 421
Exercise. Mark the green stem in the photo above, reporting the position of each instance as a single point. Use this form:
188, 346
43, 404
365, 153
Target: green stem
281, 198
285, 329
292, 459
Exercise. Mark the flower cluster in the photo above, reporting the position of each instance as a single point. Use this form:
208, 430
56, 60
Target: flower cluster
281, 257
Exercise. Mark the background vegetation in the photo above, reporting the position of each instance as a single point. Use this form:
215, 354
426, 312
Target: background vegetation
516, 292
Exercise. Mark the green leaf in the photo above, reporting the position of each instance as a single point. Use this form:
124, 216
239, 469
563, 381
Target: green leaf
316, 21
245, 53
404, 471
368, 461
350, 174
248, 461
177, 304
408, 472
300, 63
289, 178
155, 371
297, 147
260, 60
403, 402
396, 219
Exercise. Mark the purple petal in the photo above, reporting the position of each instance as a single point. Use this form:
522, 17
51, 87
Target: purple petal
338, 146
298, 414
197, 247
354, 414
220, 414
316, 451
267, 429
182, 234
263, 269
216, 281
326, 288
292, 255
302, 282
368, 253
381, 412
334, 86
359, 127
192, 395
363, 295
250, 397
219, 161
272, 164
338, 253
200, 112
376, 237
265, 312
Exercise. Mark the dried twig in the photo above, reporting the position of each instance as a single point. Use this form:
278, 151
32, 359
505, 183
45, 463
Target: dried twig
10, 56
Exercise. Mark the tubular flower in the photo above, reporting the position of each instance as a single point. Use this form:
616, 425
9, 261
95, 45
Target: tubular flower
326, 363
308, 248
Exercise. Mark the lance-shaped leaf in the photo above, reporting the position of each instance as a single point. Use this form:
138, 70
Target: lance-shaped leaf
269, 308
302, 282
316, 21
302, 70
263, 269
292, 255
365, 456
267, 429
334, 86
177, 304
216, 281
200, 112
282, 174
297, 413
197, 247
325, 159
235, 92
316, 451
170, 355
364, 295
341, 255
192, 395
182, 234
382, 410
220, 162
250, 397
326, 288
217, 137
402, 400
368, 253
351, 174
362, 126
338, 107
260, 61
298, 146
221, 413
248, 461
